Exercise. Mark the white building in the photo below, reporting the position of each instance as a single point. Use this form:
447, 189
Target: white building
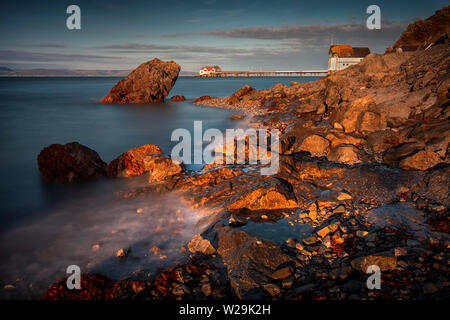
343, 56
209, 69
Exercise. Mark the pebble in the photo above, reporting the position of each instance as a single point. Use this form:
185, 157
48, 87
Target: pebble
430, 288
400, 252
139, 210
206, 289
95, 247
310, 240
122, 253
361, 234
339, 209
180, 289
282, 273
272, 289
299, 246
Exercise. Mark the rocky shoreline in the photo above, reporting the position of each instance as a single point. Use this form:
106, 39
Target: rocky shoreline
364, 180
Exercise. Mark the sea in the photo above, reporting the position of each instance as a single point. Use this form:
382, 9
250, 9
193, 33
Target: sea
46, 227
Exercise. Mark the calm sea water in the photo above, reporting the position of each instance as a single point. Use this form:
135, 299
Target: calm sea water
53, 224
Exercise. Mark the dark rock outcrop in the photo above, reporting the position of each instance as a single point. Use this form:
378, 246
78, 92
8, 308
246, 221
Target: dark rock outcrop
70, 162
428, 31
150, 82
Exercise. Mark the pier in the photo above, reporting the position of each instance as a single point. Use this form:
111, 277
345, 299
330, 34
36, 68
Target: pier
284, 73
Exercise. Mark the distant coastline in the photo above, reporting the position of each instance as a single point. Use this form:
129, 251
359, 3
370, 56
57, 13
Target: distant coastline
6, 72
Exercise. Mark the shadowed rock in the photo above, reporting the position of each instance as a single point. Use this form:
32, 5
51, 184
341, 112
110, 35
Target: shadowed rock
70, 162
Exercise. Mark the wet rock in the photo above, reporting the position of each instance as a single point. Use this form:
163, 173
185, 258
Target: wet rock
347, 154
249, 265
203, 98
178, 98
236, 117
385, 260
70, 162
421, 160
328, 229
265, 198
161, 167
131, 162
150, 82
237, 96
198, 244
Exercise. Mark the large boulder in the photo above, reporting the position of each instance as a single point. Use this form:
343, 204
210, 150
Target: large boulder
150, 82
237, 96
345, 153
131, 162
70, 162
251, 264
421, 160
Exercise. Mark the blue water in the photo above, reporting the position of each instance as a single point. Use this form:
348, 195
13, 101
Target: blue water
37, 112
45, 227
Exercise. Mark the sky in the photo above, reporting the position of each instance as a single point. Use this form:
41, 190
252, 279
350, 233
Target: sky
237, 35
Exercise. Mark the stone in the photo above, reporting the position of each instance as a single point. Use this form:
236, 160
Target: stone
236, 117
161, 167
328, 229
421, 160
249, 265
347, 154
348, 116
386, 261
70, 162
237, 96
178, 98
198, 244
339, 209
430, 288
316, 145
149, 82
180, 289
206, 289
343, 196
394, 155
400, 252
310, 240
155, 250
282, 273
123, 253
361, 233
272, 289
131, 162
369, 121
203, 98
340, 273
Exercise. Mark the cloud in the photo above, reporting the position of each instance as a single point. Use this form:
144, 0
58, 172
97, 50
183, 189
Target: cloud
25, 56
314, 36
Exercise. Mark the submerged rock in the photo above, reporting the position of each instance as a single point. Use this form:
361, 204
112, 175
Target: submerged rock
150, 82
70, 162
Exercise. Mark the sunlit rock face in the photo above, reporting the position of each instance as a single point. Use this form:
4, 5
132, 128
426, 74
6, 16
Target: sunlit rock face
150, 82
131, 162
